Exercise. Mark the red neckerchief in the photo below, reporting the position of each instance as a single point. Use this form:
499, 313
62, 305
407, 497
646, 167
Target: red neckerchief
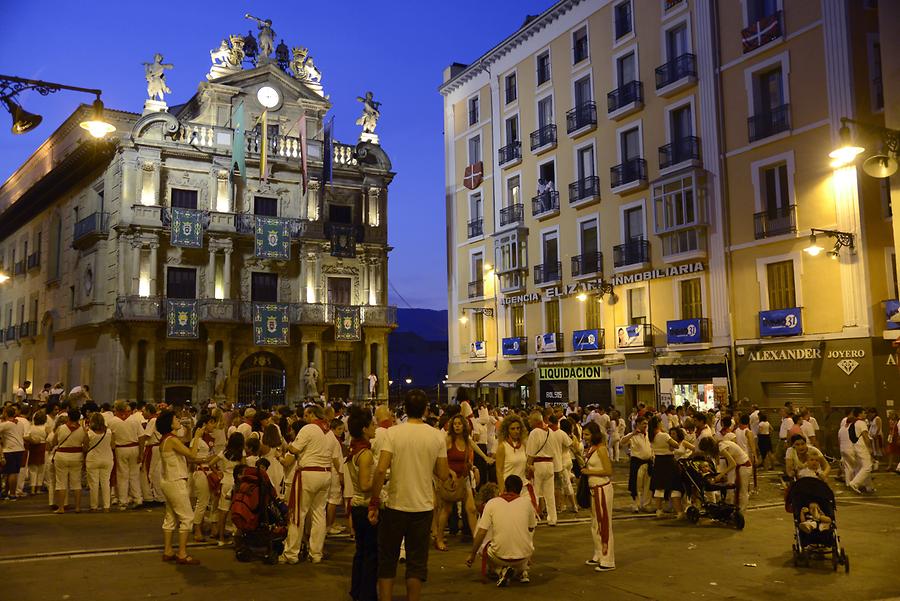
72, 426
248, 421
509, 496
322, 424
358, 445
208, 439
515, 446
386, 423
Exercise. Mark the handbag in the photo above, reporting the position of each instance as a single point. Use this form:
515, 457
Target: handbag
583, 493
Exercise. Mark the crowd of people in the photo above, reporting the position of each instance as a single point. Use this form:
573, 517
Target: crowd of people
406, 476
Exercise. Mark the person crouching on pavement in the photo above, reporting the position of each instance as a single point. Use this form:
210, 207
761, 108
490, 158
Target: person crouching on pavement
510, 520
173, 455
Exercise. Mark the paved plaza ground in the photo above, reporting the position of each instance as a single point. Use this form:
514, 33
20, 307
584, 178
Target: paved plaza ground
116, 556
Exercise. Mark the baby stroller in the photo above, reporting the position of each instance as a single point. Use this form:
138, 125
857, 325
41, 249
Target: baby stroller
698, 474
258, 516
820, 541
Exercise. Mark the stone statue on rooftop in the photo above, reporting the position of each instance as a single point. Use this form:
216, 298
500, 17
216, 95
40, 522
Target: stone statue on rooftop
266, 35
155, 73
371, 113
227, 59
303, 66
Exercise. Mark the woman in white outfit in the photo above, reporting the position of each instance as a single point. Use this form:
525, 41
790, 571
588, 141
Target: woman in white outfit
173, 456
99, 461
68, 459
598, 468
511, 458
203, 445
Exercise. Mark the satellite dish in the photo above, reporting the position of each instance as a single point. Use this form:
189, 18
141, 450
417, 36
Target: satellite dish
880, 165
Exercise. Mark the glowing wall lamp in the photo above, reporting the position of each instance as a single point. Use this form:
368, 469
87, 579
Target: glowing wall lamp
841, 239
883, 164
23, 121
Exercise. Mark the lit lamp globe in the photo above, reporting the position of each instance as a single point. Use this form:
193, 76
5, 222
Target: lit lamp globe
408, 381
847, 152
96, 126
813, 249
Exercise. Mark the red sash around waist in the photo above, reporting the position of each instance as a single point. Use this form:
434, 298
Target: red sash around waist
542, 459
69, 450
126, 445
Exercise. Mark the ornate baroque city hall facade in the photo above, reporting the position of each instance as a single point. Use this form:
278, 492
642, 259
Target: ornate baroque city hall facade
630, 186
196, 252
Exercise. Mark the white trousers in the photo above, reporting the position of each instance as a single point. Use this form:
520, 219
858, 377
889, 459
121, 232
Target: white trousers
315, 487
848, 464
543, 487
202, 494
68, 470
128, 475
178, 506
98, 474
862, 477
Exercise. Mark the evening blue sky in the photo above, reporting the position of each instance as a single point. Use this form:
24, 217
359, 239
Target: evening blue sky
396, 49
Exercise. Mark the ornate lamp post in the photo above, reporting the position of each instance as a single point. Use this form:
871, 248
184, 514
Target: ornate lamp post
23, 121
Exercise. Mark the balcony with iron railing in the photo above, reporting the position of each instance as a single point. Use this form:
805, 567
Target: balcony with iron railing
90, 229
775, 222
34, 261
510, 154
545, 205
634, 336
581, 119
682, 152
632, 254
762, 32
476, 289
28, 329
628, 175
515, 347
476, 228
512, 214
625, 100
769, 123
547, 273
19, 267
585, 264
676, 74
10, 334
585, 190
544, 138
670, 4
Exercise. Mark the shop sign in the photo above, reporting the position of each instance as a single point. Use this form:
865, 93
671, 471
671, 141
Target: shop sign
554, 393
630, 336
847, 365
780, 322
655, 274
892, 308
620, 390
478, 350
792, 354
586, 340
551, 293
683, 331
513, 346
570, 372
545, 343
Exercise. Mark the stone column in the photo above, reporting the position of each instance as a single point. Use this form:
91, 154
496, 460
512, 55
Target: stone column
364, 280
301, 279
132, 378
304, 362
211, 273
121, 266
136, 246
152, 269
367, 365
226, 275
317, 284
383, 368
150, 372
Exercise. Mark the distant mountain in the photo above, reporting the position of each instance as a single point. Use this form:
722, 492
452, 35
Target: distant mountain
427, 323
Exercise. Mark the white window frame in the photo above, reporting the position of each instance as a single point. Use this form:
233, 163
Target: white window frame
537, 172
623, 296
676, 293
762, 277
757, 166
615, 65
537, 109
700, 210
550, 230
587, 31
544, 303
508, 106
469, 148
639, 123
473, 252
576, 162
471, 196
783, 59
507, 201
537, 55
670, 25
578, 76
477, 98
642, 202
579, 221
628, 36
745, 12
515, 115
669, 108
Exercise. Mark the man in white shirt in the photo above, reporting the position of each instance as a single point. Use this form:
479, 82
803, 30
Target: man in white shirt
12, 447
312, 479
128, 435
509, 521
246, 425
413, 451
22, 391
847, 450
754, 420
862, 444
544, 460
787, 422
638, 473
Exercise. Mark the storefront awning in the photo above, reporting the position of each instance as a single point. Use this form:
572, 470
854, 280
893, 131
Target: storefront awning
469, 377
711, 359
506, 377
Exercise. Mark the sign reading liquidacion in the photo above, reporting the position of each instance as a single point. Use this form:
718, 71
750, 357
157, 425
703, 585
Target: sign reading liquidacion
570, 372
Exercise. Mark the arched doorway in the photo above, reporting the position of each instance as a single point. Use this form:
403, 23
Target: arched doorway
262, 381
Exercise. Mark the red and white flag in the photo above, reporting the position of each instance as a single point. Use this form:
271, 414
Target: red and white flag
474, 175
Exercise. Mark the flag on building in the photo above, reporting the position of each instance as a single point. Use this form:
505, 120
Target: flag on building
328, 153
271, 324
238, 143
182, 320
187, 230
273, 238
346, 323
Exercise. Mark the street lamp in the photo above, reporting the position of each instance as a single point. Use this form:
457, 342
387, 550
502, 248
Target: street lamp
842, 239
23, 121
879, 165
3, 277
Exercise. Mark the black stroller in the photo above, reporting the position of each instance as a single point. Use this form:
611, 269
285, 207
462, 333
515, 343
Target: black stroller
697, 479
815, 540
258, 516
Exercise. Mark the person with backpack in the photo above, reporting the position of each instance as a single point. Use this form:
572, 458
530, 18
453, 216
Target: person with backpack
173, 457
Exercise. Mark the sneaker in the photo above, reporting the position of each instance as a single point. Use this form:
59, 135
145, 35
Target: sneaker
503, 579
284, 560
604, 568
523, 577
335, 530
592, 562
855, 488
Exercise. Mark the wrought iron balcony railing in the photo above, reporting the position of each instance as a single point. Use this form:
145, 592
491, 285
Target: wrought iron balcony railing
547, 273
631, 92
632, 170
587, 264
775, 222
585, 188
769, 123
510, 152
476, 289
548, 202
676, 69
681, 150
92, 227
584, 115
476, 228
512, 214
634, 252
544, 136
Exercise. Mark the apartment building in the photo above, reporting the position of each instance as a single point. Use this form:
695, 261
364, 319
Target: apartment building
617, 251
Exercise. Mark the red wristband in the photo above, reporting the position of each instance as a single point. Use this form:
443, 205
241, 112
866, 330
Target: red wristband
374, 503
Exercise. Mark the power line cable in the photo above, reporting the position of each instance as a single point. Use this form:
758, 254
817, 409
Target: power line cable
397, 292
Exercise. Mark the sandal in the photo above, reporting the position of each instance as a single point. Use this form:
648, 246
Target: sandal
168, 557
187, 560
440, 546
